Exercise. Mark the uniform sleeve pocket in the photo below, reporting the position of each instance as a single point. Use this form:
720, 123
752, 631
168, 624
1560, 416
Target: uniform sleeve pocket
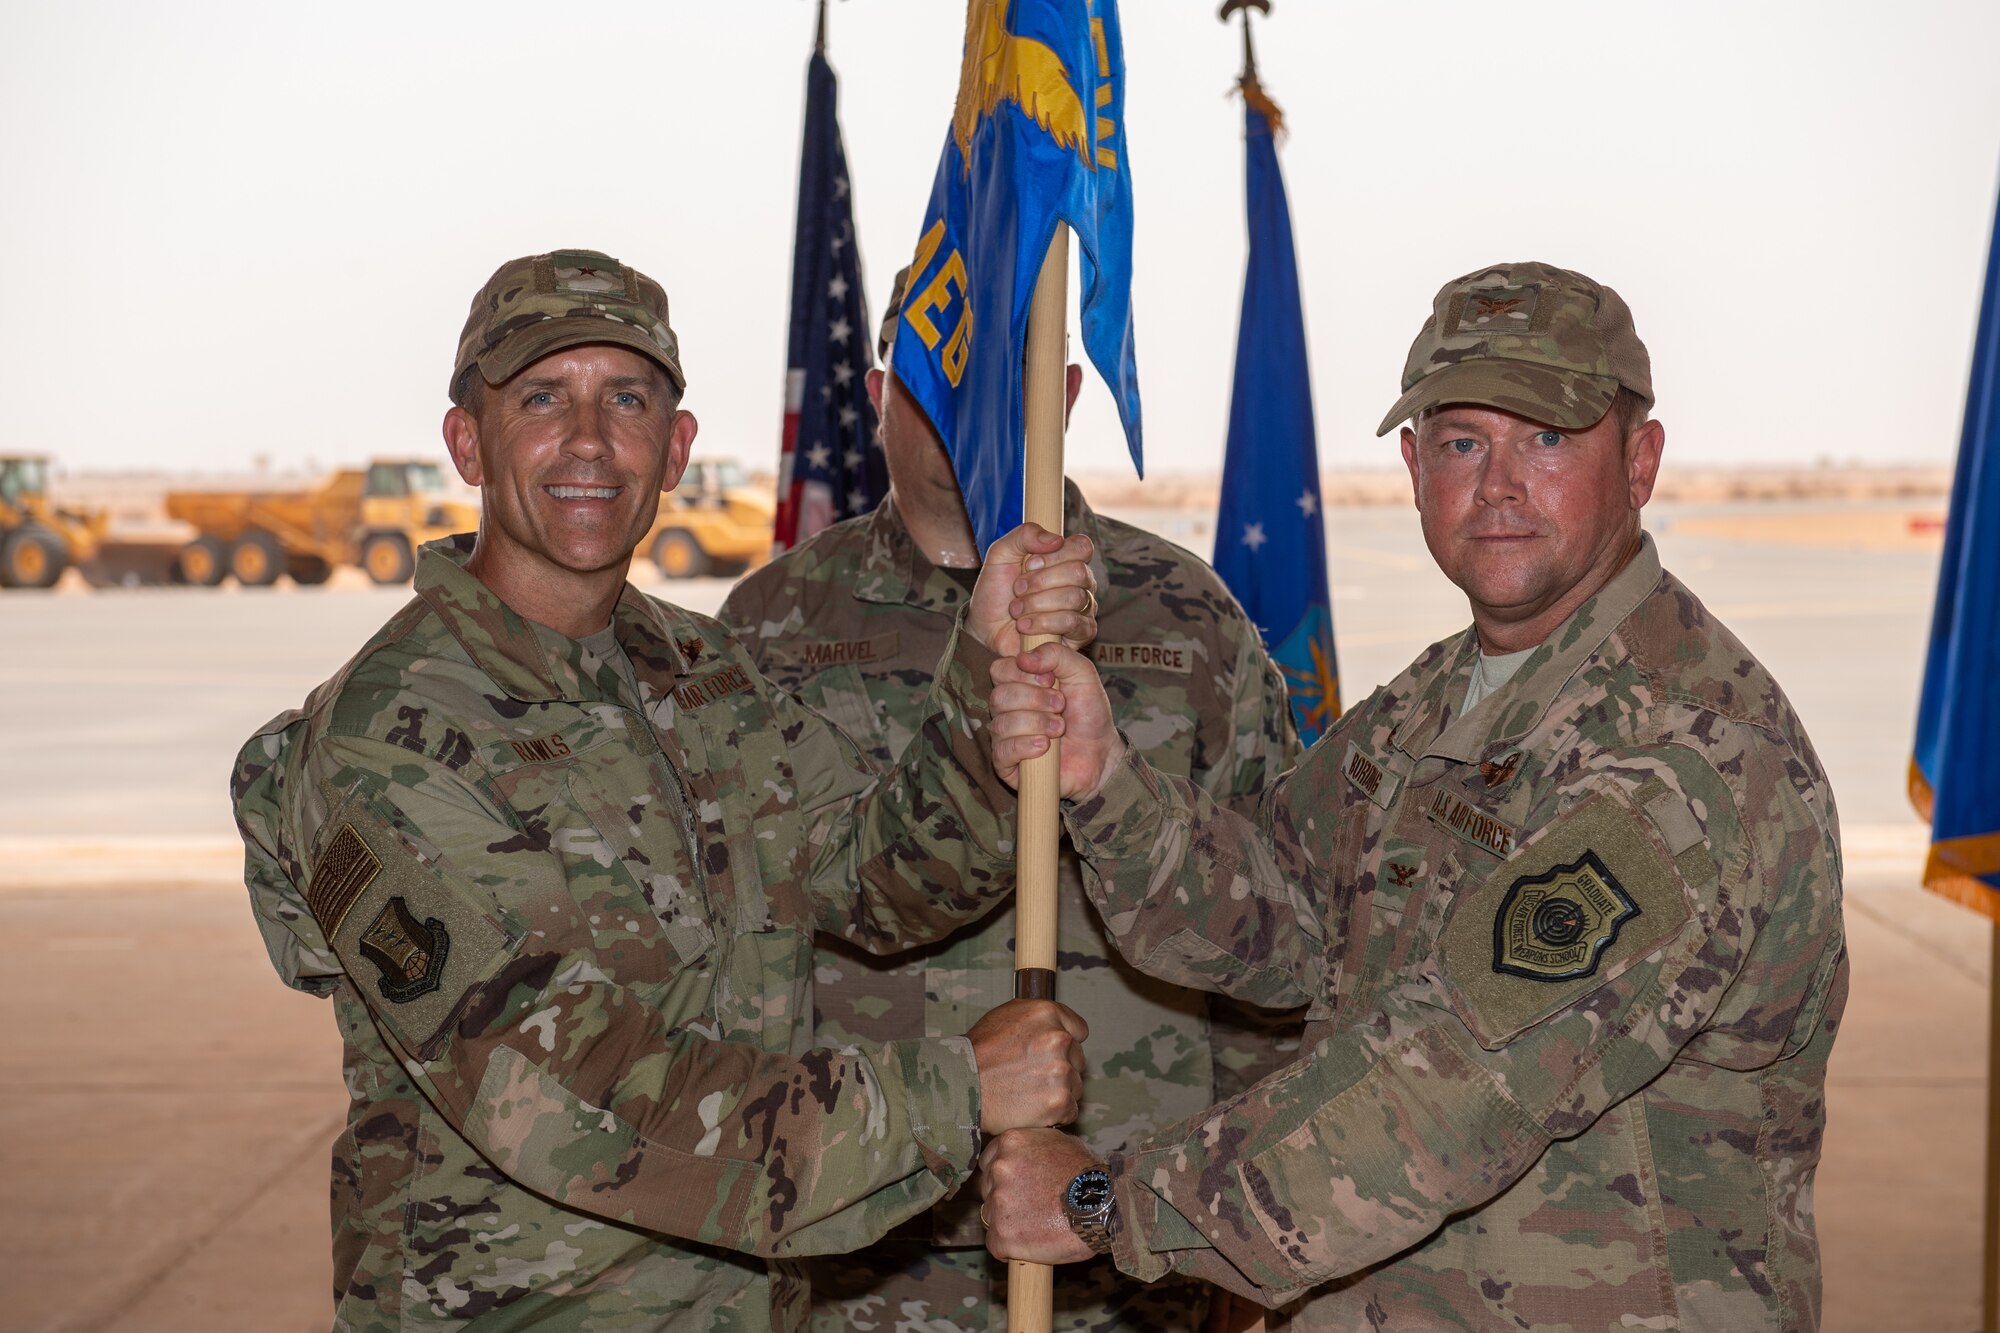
1582, 901
413, 944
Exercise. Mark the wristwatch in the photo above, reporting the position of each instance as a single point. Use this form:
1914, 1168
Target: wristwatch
1088, 1203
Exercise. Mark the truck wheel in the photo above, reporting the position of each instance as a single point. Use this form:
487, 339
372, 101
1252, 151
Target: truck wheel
386, 556
679, 555
256, 560
31, 559
202, 562
308, 571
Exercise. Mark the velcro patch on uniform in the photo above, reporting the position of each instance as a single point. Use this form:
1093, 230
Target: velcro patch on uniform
409, 953
1499, 772
1468, 821
587, 273
1497, 310
1557, 925
542, 749
839, 652
412, 942
708, 689
1175, 657
345, 868
1584, 898
1369, 777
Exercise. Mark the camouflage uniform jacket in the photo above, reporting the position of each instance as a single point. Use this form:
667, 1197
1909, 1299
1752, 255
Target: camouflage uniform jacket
568, 938
853, 620
1575, 963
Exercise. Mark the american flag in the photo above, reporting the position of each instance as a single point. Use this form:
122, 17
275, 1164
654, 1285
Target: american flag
830, 464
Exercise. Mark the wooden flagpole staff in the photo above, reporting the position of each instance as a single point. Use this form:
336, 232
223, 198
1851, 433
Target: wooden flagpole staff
1031, 1287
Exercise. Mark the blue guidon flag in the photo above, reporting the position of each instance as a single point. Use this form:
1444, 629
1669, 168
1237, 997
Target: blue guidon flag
830, 464
1037, 137
1955, 773
1270, 545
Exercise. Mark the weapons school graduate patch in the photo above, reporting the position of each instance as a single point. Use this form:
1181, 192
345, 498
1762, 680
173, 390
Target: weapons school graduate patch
1557, 925
1581, 900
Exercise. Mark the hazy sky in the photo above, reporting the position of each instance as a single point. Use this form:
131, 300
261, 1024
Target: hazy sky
243, 229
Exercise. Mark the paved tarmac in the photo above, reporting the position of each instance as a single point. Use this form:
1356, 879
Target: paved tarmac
166, 1106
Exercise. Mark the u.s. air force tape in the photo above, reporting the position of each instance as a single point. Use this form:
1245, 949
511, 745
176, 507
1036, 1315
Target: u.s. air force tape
409, 942
1581, 901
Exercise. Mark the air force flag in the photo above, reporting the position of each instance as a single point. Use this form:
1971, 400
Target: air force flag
1270, 547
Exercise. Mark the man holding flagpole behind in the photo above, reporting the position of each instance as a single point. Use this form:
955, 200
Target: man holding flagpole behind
853, 621
1035, 153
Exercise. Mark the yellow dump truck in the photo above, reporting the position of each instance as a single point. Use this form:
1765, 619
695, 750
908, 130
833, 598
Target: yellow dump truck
714, 522
374, 517
37, 540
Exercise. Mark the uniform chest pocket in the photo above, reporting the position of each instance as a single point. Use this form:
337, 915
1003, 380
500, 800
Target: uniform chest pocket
840, 695
763, 990
1410, 883
834, 679
1345, 909
632, 875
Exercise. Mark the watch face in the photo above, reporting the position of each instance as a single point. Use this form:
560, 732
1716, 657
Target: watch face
1088, 1193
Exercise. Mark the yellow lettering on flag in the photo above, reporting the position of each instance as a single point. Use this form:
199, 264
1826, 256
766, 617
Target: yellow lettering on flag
945, 287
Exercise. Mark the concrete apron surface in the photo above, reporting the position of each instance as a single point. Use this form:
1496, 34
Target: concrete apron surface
167, 1107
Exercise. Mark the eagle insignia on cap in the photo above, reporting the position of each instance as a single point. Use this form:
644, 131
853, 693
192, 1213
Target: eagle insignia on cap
1497, 309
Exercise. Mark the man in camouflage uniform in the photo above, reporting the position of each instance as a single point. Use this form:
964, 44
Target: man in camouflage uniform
1571, 935
852, 621
557, 853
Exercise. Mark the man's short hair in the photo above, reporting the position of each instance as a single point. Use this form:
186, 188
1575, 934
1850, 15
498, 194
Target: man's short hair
1631, 410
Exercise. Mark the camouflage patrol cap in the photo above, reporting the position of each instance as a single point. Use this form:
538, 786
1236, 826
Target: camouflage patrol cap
1543, 342
543, 303
885, 337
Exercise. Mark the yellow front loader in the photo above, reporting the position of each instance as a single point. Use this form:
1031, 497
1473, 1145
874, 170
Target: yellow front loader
37, 540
